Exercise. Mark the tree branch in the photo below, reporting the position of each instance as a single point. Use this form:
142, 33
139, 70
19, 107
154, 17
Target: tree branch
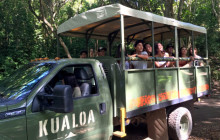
63, 3
32, 10
65, 47
39, 18
213, 8
43, 17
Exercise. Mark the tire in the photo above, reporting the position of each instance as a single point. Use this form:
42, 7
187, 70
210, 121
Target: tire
180, 124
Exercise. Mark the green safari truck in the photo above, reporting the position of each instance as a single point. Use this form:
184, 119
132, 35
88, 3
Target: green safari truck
86, 98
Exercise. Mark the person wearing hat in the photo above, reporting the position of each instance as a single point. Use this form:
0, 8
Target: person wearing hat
83, 54
101, 51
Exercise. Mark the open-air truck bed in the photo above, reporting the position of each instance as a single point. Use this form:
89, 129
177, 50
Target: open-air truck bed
141, 91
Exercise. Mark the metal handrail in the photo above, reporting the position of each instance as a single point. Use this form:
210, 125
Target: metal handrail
163, 59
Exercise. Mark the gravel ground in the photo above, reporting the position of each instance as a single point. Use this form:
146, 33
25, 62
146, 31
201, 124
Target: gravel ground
206, 116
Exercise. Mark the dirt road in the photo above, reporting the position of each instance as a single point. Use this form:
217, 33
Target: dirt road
206, 116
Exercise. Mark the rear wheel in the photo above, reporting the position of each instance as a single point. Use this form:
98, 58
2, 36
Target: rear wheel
180, 124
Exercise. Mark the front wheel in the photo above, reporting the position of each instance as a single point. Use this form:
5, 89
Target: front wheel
180, 124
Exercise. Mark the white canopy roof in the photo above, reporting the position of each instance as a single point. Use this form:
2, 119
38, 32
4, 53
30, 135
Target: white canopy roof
102, 22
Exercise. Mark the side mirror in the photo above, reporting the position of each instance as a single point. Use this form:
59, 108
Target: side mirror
62, 99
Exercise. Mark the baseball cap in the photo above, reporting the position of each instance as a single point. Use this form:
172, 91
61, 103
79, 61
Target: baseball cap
102, 48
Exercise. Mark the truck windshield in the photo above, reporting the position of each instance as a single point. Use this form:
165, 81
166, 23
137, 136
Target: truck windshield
18, 85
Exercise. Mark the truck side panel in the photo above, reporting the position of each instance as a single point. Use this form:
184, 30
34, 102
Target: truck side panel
187, 82
160, 88
142, 96
203, 81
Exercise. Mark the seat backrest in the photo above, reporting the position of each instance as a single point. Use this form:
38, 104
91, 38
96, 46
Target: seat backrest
81, 74
82, 78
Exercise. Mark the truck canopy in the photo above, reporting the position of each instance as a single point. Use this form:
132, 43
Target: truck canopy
102, 22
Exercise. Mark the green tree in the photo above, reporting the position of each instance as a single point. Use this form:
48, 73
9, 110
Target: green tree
17, 36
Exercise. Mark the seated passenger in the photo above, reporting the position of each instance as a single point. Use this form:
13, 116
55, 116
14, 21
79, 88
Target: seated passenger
159, 52
83, 54
139, 53
101, 51
183, 53
197, 62
148, 49
91, 53
170, 49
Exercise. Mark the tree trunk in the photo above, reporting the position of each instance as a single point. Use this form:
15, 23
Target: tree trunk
168, 11
65, 47
180, 9
216, 11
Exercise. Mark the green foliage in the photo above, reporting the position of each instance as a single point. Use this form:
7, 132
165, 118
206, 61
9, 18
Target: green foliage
16, 37
23, 37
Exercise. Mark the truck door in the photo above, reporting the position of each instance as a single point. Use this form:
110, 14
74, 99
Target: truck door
13, 124
89, 119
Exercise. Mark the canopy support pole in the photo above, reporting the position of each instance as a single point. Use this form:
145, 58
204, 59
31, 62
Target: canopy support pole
153, 54
176, 47
152, 34
111, 38
122, 42
193, 47
195, 67
177, 61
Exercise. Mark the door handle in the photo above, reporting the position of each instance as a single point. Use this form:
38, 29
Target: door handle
102, 108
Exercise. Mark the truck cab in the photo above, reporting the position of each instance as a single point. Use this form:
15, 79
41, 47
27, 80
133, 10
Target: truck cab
48, 105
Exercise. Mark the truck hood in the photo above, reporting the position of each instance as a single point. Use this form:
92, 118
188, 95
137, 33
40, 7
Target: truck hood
6, 112
3, 108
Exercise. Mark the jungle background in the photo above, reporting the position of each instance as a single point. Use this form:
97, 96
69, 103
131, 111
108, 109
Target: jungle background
28, 27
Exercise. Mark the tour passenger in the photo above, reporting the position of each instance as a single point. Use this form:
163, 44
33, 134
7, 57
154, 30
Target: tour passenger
138, 46
102, 51
83, 54
170, 49
159, 52
91, 53
197, 62
148, 49
183, 53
